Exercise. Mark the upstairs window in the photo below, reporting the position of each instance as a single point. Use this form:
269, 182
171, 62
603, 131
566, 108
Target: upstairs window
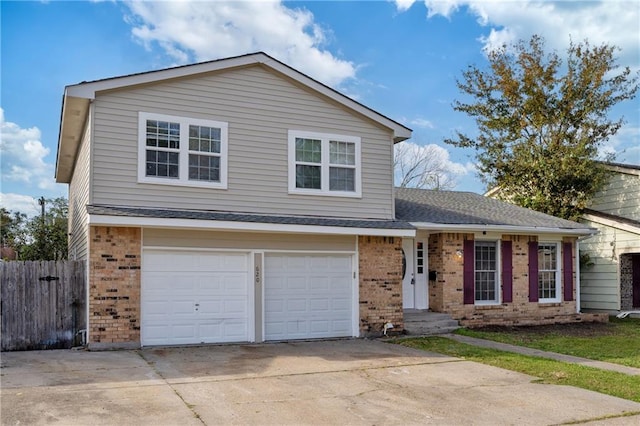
324, 164
182, 151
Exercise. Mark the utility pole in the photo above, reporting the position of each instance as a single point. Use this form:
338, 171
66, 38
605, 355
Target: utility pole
43, 231
41, 201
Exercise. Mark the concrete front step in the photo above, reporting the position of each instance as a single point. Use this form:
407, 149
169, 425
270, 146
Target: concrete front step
425, 323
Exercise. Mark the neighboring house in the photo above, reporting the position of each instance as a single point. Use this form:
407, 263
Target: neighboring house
240, 200
611, 277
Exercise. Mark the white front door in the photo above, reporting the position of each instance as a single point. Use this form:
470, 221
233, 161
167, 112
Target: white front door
408, 280
308, 296
194, 297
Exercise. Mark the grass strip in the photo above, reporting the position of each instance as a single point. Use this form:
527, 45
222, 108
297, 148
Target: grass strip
617, 341
548, 371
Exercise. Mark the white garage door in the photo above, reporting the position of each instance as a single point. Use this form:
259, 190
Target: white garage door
194, 297
308, 296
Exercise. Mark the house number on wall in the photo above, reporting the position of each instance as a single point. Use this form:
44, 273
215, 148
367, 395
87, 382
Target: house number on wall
257, 275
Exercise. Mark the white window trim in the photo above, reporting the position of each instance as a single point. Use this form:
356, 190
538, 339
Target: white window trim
183, 177
498, 281
325, 138
556, 299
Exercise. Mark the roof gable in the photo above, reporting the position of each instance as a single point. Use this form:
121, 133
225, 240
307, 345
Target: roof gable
77, 98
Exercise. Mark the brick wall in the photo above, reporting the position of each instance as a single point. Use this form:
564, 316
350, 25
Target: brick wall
114, 287
380, 269
446, 294
626, 282
436, 288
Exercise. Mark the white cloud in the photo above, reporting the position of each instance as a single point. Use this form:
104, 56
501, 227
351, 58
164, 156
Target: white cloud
23, 156
612, 22
442, 7
403, 5
625, 145
200, 31
18, 202
421, 122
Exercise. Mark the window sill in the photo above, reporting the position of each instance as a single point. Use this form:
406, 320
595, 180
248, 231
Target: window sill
320, 193
549, 304
177, 182
488, 306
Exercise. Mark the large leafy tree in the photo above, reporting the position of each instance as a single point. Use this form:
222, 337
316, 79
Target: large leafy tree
42, 237
542, 120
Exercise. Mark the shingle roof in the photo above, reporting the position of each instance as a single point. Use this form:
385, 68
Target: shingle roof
467, 208
240, 217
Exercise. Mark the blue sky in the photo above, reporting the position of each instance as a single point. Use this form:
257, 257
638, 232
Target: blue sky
398, 57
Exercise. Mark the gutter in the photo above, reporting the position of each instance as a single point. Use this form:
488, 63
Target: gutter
511, 229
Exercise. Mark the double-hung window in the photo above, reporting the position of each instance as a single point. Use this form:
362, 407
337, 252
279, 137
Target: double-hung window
548, 272
486, 272
324, 164
176, 150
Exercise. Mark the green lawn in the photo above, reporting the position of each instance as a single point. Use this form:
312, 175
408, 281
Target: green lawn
617, 341
548, 371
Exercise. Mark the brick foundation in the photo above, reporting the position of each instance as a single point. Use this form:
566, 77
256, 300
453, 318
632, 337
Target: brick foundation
446, 293
380, 266
114, 287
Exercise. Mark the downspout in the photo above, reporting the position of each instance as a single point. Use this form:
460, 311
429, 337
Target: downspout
578, 276
582, 238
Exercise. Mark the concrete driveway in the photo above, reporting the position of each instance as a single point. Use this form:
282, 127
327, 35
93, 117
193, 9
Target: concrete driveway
331, 382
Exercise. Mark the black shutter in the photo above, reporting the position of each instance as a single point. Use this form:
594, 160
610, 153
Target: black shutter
567, 268
507, 272
533, 271
469, 272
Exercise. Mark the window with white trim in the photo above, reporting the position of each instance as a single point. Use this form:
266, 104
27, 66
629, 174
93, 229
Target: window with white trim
548, 272
324, 164
185, 151
486, 272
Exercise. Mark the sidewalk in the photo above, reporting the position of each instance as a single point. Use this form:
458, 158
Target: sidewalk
542, 354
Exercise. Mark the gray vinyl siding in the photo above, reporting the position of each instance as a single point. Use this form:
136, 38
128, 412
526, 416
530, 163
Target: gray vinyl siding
620, 197
600, 282
259, 107
245, 240
79, 198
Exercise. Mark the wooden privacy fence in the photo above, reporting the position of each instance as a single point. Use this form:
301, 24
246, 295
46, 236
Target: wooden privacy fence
42, 304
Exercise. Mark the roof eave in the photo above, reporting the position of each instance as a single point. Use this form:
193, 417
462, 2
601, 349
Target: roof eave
226, 225
72, 121
611, 222
510, 229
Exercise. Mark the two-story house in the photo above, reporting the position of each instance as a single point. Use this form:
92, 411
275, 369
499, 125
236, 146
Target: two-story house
240, 200
611, 276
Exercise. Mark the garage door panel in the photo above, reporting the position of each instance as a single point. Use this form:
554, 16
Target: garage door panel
341, 304
341, 284
320, 284
296, 283
296, 305
308, 296
194, 297
238, 307
274, 306
182, 308
322, 326
319, 305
